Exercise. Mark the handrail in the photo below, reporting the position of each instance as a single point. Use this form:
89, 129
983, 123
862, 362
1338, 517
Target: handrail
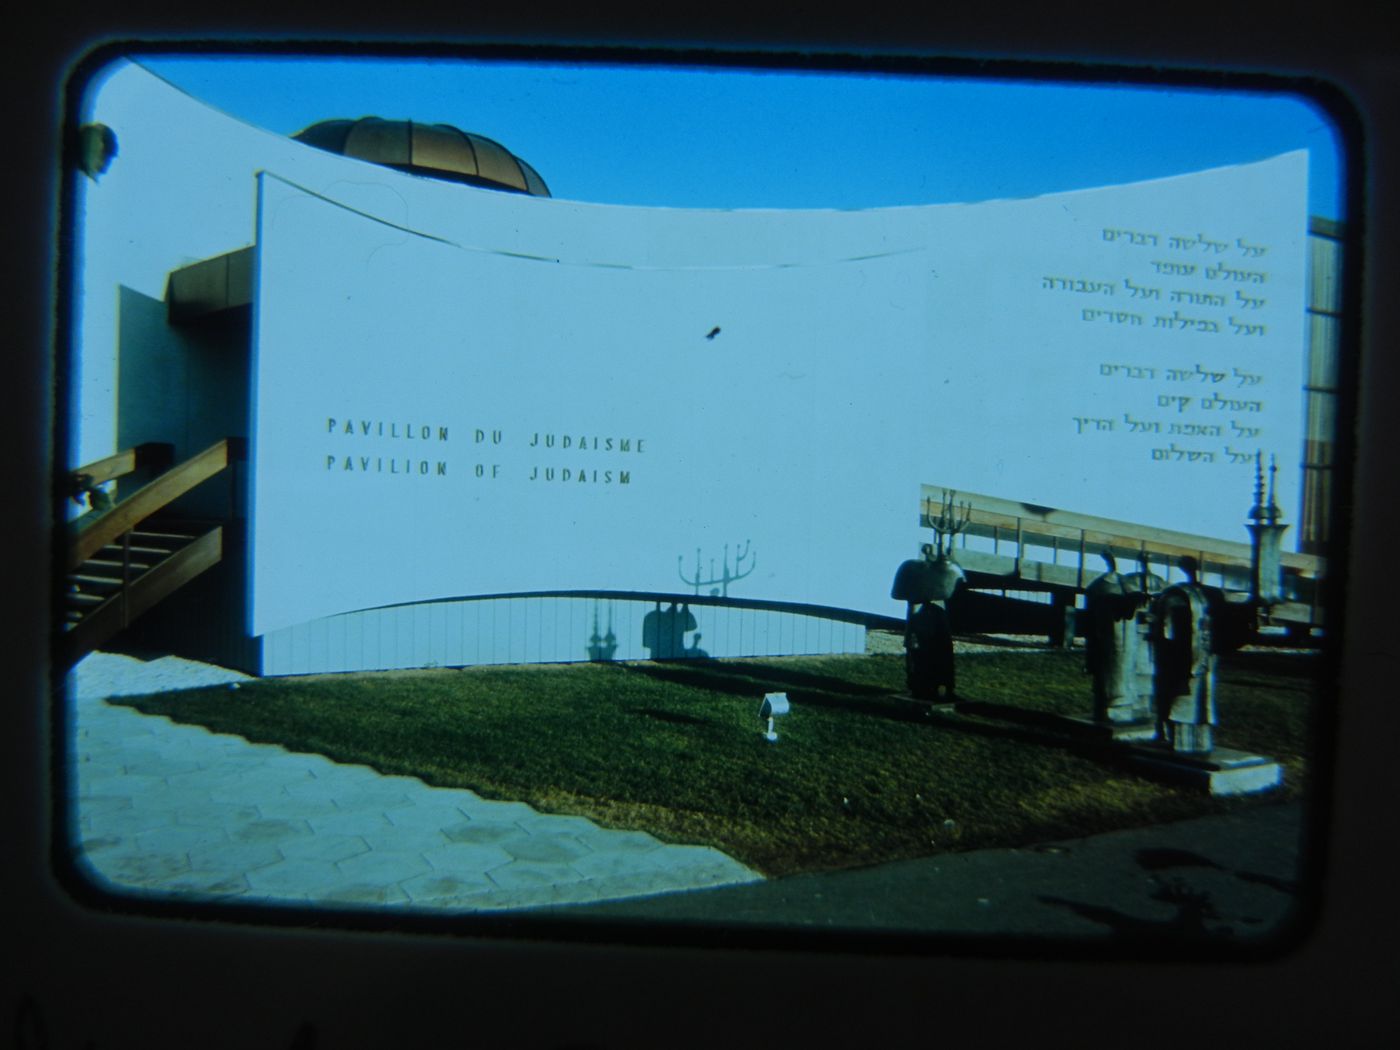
146, 500
125, 462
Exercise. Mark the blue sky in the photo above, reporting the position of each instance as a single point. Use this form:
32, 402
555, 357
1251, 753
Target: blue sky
725, 139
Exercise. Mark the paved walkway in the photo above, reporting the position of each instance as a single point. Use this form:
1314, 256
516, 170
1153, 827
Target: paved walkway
170, 809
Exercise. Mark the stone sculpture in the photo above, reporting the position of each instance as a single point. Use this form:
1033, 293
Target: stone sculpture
1185, 660
1116, 649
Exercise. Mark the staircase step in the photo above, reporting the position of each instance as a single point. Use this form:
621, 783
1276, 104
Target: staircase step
106, 563
179, 539
80, 598
116, 548
89, 582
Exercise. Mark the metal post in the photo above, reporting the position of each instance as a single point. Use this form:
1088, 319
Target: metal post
126, 575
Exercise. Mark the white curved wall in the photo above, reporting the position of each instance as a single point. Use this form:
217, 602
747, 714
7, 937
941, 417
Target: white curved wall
1117, 351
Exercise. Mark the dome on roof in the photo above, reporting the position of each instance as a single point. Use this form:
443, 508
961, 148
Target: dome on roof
436, 150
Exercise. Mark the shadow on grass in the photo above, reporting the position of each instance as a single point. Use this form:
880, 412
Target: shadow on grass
674, 717
1044, 721
803, 688
743, 678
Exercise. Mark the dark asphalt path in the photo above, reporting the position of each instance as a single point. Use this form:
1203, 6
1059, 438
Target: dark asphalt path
1229, 876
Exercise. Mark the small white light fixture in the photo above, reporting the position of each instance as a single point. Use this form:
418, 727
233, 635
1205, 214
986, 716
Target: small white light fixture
774, 705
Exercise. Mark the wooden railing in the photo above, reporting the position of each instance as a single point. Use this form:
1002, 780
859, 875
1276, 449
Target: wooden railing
140, 505
137, 568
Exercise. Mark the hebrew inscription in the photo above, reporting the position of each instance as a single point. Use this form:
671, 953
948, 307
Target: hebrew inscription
1210, 290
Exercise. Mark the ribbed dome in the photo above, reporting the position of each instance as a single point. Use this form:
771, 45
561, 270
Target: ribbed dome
436, 150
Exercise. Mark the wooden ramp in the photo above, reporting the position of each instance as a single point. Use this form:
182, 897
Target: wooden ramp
124, 559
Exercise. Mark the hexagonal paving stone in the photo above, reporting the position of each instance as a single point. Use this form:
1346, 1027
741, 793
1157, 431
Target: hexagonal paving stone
313, 788
283, 806
498, 812
160, 766
184, 789
403, 783
140, 868
463, 857
267, 830
244, 783
555, 824
481, 832
226, 813
424, 817
316, 765
522, 875
125, 823
303, 877
362, 796
445, 889
391, 839
357, 771
362, 894
203, 884
338, 823
384, 867
329, 848
601, 839
97, 843
179, 838
139, 785
607, 864
90, 804
234, 857
550, 849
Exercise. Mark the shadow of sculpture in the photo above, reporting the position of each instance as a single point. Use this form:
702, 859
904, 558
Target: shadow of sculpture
601, 647
1194, 909
663, 631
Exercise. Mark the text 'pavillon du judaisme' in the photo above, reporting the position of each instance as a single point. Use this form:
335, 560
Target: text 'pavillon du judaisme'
419, 450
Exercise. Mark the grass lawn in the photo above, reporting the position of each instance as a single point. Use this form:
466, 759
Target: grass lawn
676, 749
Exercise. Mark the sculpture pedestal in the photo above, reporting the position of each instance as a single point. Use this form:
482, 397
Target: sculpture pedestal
1221, 772
1126, 732
908, 700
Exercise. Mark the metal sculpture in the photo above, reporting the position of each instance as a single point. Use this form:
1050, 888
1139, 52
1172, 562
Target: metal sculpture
924, 584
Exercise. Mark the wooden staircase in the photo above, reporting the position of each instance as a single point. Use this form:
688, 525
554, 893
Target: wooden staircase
123, 560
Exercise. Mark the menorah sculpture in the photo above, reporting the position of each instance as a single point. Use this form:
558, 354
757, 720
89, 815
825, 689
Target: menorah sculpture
924, 584
725, 578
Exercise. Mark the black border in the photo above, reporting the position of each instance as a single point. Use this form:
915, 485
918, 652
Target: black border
543, 926
1296, 51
